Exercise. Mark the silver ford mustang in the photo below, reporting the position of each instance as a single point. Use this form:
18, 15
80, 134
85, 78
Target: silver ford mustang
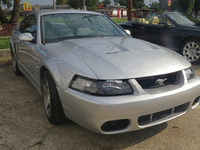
89, 70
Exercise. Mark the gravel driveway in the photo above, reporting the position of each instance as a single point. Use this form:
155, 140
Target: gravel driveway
23, 125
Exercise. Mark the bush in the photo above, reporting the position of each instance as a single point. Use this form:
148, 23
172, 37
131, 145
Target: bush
7, 29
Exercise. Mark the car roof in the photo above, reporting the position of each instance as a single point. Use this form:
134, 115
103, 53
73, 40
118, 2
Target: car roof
60, 11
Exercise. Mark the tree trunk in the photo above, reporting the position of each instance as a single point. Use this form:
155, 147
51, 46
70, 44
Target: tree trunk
3, 18
15, 14
129, 10
196, 12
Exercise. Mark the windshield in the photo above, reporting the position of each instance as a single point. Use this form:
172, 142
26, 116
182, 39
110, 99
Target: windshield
184, 20
69, 26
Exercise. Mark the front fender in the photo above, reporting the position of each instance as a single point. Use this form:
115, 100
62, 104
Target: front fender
63, 68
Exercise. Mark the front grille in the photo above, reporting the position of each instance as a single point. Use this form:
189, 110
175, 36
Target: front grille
157, 116
156, 81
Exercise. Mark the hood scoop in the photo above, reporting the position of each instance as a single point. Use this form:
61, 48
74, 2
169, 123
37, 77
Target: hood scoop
114, 48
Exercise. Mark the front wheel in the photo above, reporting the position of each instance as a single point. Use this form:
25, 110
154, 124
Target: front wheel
191, 50
52, 103
14, 64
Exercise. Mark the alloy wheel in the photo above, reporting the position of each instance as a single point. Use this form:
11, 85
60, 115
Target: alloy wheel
191, 51
46, 96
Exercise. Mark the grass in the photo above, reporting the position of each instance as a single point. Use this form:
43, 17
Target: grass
118, 20
4, 43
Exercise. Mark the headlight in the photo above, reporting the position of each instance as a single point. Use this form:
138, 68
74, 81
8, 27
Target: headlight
189, 73
99, 87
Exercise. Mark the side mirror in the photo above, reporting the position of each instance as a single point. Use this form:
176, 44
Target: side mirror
26, 37
163, 23
128, 32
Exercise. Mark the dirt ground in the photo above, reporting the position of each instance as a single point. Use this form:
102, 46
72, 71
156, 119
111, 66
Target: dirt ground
24, 126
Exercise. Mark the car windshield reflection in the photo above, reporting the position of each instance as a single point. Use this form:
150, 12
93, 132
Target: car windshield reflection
184, 20
59, 27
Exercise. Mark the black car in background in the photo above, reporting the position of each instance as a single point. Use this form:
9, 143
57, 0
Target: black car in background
174, 30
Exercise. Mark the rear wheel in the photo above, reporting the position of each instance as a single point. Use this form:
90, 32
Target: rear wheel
52, 103
191, 50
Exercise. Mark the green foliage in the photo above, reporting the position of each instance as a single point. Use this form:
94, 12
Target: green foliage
136, 3
75, 3
185, 6
7, 3
156, 6
188, 6
174, 5
91, 4
61, 2
106, 1
123, 2
163, 4
196, 7
191, 3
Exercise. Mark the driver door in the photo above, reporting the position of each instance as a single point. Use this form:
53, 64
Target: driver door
26, 52
152, 33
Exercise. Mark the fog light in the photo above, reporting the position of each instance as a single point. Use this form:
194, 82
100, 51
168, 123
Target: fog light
115, 125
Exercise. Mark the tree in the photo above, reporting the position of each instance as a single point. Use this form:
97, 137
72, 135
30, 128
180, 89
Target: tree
186, 6
191, 3
196, 8
129, 12
123, 2
61, 2
163, 4
7, 3
15, 13
106, 1
91, 4
135, 3
156, 7
138, 4
75, 3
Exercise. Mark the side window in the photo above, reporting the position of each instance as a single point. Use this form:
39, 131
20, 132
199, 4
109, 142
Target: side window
29, 25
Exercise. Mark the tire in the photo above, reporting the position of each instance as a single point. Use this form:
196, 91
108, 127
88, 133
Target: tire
52, 103
14, 64
191, 50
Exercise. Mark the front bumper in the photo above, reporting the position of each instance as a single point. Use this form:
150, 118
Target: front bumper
140, 108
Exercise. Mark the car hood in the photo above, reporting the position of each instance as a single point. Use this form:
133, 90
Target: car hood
121, 57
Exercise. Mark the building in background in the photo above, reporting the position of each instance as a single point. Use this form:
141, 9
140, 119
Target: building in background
113, 10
